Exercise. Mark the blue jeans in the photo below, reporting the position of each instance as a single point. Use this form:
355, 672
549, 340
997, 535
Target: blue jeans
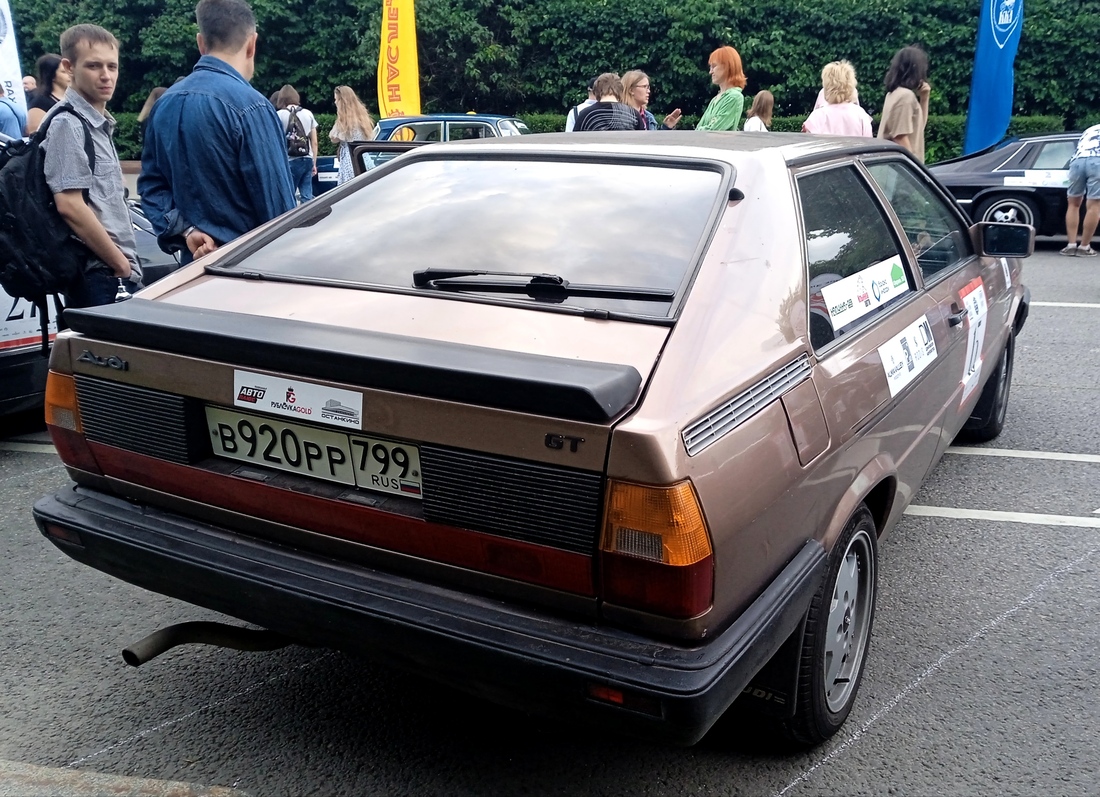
301, 174
94, 289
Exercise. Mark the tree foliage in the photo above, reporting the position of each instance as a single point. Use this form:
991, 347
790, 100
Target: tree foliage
536, 55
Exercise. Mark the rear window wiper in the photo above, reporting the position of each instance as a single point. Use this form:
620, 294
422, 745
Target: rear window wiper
539, 286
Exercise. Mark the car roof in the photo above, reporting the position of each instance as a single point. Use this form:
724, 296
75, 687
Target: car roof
683, 143
477, 117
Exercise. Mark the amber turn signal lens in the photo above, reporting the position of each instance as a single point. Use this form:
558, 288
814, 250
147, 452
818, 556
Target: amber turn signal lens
61, 406
657, 524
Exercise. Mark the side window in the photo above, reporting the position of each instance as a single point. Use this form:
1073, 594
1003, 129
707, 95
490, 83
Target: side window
855, 265
1055, 155
419, 131
935, 233
459, 131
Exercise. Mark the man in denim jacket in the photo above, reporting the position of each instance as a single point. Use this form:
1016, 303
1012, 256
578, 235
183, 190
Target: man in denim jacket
214, 164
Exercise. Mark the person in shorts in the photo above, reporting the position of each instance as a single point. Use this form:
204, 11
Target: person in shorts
1084, 182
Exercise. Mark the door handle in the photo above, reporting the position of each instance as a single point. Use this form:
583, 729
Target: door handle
957, 315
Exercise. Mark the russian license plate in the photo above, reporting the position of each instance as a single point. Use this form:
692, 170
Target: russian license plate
366, 462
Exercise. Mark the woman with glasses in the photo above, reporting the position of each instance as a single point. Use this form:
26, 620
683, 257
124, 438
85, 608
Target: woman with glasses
636, 94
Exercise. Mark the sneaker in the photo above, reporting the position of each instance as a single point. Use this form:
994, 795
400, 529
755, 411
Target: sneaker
1086, 251
1069, 251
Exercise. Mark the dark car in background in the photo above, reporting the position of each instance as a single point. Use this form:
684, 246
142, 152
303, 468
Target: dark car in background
426, 129
449, 127
1018, 180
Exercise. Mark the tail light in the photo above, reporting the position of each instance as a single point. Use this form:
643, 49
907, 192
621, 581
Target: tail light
63, 421
655, 551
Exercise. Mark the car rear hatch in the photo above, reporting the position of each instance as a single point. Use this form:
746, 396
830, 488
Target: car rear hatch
329, 387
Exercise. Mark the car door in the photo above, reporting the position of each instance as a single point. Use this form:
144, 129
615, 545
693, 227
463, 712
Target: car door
971, 296
871, 328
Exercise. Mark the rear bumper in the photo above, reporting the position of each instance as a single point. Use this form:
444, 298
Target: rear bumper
507, 653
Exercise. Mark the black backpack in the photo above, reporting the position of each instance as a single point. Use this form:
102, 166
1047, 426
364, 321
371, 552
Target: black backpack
39, 255
297, 142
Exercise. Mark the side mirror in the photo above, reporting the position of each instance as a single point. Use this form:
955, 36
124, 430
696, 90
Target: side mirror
995, 239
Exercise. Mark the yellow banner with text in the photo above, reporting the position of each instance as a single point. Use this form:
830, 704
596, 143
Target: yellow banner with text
398, 68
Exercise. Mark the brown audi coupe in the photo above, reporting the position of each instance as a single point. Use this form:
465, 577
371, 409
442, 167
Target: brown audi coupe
602, 426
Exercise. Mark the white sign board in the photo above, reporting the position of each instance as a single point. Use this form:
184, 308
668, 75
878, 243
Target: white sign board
11, 76
20, 325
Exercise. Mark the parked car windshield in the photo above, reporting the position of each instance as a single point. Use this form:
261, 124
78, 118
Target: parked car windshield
605, 223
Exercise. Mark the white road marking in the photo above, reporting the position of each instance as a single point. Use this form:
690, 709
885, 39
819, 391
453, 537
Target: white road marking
1011, 452
937, 665
28, 448
190, 714
1003, 517
1085, 305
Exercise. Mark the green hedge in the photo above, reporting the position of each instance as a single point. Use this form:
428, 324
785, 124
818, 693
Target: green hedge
943, 137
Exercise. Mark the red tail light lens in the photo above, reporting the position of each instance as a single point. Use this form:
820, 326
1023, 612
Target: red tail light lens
655, 552
63, 422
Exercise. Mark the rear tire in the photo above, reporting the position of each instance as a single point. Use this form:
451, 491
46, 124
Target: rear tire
987, 419
838, 634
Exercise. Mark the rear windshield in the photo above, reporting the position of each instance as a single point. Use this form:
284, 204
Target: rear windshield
594, 223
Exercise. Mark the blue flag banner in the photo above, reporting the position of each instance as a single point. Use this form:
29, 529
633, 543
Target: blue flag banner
991, 87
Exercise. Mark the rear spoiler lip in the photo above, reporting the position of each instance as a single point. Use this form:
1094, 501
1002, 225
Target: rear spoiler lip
558, 387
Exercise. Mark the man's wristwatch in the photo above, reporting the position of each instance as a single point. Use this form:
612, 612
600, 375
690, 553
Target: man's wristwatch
188, 231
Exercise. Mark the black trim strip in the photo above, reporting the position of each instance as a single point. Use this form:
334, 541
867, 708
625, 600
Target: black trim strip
562, 388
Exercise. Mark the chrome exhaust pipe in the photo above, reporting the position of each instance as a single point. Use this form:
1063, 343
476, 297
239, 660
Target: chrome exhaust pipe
203, 633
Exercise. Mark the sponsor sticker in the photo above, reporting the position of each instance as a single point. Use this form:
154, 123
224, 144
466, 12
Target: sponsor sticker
296, 399
1007, 271
849, 299
904, 356
973, 299
1040, 178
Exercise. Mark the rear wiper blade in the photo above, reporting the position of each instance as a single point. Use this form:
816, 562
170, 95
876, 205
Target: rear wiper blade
540, 286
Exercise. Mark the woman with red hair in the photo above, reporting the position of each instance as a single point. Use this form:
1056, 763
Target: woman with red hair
724, 111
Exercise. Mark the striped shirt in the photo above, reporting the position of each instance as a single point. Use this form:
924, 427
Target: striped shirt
609, 116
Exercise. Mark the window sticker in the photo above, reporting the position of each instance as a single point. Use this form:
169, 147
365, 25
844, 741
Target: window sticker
1040, 178
973, 299
906, 355
296, 399
849, 299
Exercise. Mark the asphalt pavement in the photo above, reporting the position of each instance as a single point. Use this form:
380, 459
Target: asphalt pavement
983, 677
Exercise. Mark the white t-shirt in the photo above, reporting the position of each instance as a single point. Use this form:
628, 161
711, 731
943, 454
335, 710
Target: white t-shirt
754, 125
1089, 144
574, 112
308, 123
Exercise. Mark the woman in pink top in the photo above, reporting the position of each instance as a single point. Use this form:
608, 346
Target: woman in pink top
840, 116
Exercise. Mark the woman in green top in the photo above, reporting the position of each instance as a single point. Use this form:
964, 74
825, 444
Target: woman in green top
724, 111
